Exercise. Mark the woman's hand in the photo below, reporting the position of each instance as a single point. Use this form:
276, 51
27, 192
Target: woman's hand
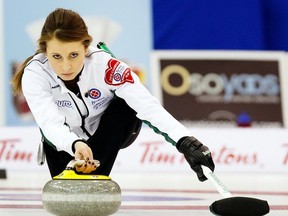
84, 152
196, 155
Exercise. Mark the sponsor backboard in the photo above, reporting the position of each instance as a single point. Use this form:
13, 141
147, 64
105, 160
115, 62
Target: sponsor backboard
233, 149
222, 88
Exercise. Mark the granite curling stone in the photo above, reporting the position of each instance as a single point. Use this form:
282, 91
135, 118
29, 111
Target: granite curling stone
70, 194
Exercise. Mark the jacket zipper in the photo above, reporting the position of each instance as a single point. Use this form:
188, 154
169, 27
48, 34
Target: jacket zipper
82, 117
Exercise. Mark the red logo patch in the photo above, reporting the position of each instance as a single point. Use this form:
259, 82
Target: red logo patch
117, 73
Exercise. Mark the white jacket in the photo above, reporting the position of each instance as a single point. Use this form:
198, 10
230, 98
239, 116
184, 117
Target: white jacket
64, 118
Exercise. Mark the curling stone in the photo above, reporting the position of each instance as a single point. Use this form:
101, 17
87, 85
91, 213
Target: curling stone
70, 194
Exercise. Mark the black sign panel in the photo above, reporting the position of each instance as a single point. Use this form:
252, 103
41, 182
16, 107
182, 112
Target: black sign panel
228, 92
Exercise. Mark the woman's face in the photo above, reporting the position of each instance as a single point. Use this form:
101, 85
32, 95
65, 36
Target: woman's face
66, 58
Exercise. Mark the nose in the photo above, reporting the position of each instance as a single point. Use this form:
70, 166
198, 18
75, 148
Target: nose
66, 66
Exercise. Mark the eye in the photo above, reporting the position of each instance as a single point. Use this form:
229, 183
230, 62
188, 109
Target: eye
56, 56
74, 55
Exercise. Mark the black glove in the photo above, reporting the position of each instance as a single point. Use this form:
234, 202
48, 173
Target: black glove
196, 154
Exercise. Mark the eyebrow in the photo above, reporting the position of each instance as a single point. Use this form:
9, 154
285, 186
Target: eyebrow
68, 53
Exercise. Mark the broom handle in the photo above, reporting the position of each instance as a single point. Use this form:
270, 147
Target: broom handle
102, 45
216, 182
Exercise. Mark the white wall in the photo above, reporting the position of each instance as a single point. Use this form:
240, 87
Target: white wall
234, 150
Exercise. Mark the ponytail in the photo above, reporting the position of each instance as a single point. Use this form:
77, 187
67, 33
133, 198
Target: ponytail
17, 77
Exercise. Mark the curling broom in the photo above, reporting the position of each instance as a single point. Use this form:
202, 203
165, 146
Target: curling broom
234, 206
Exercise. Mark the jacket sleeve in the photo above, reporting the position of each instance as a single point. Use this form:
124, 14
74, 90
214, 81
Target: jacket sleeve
127, 85
37, 92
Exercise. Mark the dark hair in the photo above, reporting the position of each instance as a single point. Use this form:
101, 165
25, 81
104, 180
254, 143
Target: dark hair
65, 25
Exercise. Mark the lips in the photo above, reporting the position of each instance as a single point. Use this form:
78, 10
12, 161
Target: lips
67, 74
